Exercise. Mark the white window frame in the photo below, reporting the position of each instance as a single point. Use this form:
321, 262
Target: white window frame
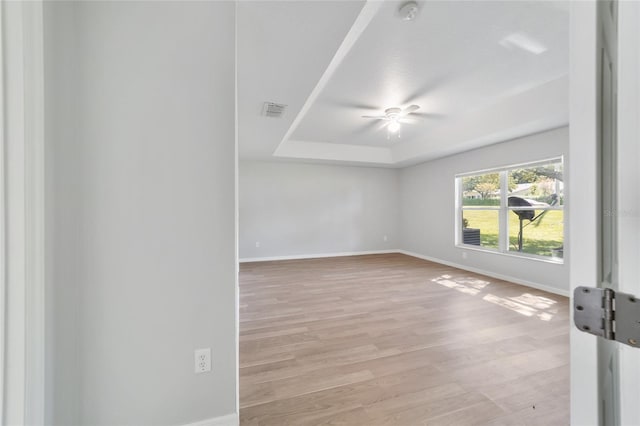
503, 211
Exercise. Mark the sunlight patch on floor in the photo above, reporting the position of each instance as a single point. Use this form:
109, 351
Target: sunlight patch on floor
526, 304
466, 285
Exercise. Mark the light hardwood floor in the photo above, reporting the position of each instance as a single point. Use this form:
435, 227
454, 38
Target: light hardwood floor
395, 340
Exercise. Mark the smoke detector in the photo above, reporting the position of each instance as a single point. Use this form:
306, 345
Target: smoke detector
408, 11
272, 109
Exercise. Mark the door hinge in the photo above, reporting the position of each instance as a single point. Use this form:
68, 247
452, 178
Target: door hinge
608, 314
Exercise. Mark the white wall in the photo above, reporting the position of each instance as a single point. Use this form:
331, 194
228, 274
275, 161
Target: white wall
144, 215
428, 207
306, 209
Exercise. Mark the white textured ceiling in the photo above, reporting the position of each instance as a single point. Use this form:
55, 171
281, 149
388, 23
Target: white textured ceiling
482, 72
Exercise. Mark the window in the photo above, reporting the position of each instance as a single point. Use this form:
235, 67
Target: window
516, 210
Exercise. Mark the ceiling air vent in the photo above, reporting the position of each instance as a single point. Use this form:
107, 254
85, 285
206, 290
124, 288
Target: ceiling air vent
271, 109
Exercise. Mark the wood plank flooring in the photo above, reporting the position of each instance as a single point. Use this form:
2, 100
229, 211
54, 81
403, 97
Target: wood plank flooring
394, 340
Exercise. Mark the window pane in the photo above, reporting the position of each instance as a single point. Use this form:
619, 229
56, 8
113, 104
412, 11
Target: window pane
542, 236
541, 184
480, 228
481, 190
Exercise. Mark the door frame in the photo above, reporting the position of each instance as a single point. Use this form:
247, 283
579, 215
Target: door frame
583, 211
22, 213
586, 35
628, 215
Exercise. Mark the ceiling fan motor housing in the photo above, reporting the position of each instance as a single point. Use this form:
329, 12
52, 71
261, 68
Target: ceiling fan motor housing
392, 112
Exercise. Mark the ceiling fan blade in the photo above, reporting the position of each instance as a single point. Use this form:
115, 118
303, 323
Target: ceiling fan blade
376, 117
427, 115
410, 109
346, 104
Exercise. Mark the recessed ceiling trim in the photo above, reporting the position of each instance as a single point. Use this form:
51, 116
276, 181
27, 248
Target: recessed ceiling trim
362, 21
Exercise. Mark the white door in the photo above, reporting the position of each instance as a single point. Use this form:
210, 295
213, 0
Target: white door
605, 122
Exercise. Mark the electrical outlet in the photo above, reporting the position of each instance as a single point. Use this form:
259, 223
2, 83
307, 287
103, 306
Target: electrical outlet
464, 254
257, 244
203, 360
384, 238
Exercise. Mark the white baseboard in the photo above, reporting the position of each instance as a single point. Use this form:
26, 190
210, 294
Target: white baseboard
228, 420
315, 256
490, 274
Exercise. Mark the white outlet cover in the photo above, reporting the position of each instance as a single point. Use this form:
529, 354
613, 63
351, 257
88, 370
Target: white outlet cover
202, 358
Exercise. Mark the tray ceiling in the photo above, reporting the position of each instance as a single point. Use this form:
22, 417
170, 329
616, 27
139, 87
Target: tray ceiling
482, 72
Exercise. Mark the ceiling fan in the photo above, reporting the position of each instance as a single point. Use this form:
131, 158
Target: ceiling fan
394, 117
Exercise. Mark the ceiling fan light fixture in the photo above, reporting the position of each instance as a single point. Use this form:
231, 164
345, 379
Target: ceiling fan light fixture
394, 117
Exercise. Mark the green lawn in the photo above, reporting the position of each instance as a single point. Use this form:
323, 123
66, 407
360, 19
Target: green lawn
540, 237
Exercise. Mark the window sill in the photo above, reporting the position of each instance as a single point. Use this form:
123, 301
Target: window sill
553, 260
